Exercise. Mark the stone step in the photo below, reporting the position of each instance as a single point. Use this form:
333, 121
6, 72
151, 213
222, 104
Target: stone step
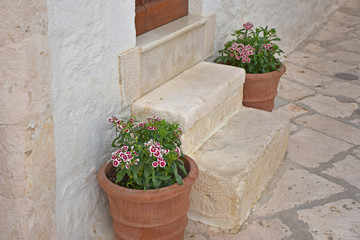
235, 165
201, 99
172, 48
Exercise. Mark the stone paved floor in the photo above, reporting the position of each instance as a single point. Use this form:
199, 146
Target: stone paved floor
316, 192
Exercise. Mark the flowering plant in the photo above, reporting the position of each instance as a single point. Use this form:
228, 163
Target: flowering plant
253, 50
148, 154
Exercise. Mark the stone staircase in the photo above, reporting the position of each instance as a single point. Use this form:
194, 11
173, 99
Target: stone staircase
237, 149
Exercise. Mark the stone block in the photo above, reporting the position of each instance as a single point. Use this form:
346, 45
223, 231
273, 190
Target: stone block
235, 166
24, 74
130, 74
176, 47
191, 99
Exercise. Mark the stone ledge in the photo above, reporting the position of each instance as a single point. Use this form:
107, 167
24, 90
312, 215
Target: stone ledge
235, 166
192, 97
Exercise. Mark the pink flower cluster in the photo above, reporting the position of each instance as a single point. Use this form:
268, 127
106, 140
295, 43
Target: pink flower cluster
248, 25
125, 156
241, 52
156, 150
154, 118
120, 125
267, 46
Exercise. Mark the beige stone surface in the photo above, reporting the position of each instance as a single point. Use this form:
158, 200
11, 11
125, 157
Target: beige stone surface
296, 187
325, 35
290, 110
235, 166
337, 27
345, 19
330, 106
357, 151
336, 220
23, 78
305, 76
341, 89
203, 129
330, 67
174, 49
192, 95
293, 91
304, 148
350, 166
258, 230
209, 35
331, 128
312, 47
350, 45
344, 56
27, 174
130, 75
302, 58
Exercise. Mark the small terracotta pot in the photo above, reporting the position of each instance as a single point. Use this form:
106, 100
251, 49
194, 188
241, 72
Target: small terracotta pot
149, 214
260, 89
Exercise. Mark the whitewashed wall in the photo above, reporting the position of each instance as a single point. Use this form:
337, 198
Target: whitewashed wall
85, 39
294, 20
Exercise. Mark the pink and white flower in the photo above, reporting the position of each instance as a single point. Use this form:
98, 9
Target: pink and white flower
155, 164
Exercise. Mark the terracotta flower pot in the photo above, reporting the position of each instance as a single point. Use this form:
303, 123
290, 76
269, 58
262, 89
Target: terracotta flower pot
260, 89
149, 214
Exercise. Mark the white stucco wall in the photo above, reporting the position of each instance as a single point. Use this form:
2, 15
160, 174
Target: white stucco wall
85, 39
293, 20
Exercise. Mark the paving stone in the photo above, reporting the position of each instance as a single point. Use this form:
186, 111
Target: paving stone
347, 169
344, 56
336, 220
296, 187
291, 110
305, 76
257, 230
311, 47
293, 91
329, 67
330, 106
350, 45
345, 19
341, 88
301, 58
331, 127
353, 4
356, 151
326, 35
336, 27
293, 127
310, 148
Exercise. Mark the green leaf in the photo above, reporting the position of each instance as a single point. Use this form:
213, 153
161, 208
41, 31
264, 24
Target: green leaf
182, 168
147, 172
177, 176
136, 178
164, 178
120, 175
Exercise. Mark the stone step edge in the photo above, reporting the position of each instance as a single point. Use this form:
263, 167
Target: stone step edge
180, 99
225, 192
162, 34
201, 99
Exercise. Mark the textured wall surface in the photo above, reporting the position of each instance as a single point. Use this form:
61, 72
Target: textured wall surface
293, 20
85, 39
27, 171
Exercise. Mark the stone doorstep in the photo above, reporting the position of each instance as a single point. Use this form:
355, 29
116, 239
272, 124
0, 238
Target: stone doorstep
174, 47
201, 99
235, 166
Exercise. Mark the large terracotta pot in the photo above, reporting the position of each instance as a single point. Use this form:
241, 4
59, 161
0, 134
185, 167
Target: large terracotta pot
260, 89
149, 214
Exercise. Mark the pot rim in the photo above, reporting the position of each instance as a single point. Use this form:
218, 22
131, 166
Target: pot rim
151, 195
